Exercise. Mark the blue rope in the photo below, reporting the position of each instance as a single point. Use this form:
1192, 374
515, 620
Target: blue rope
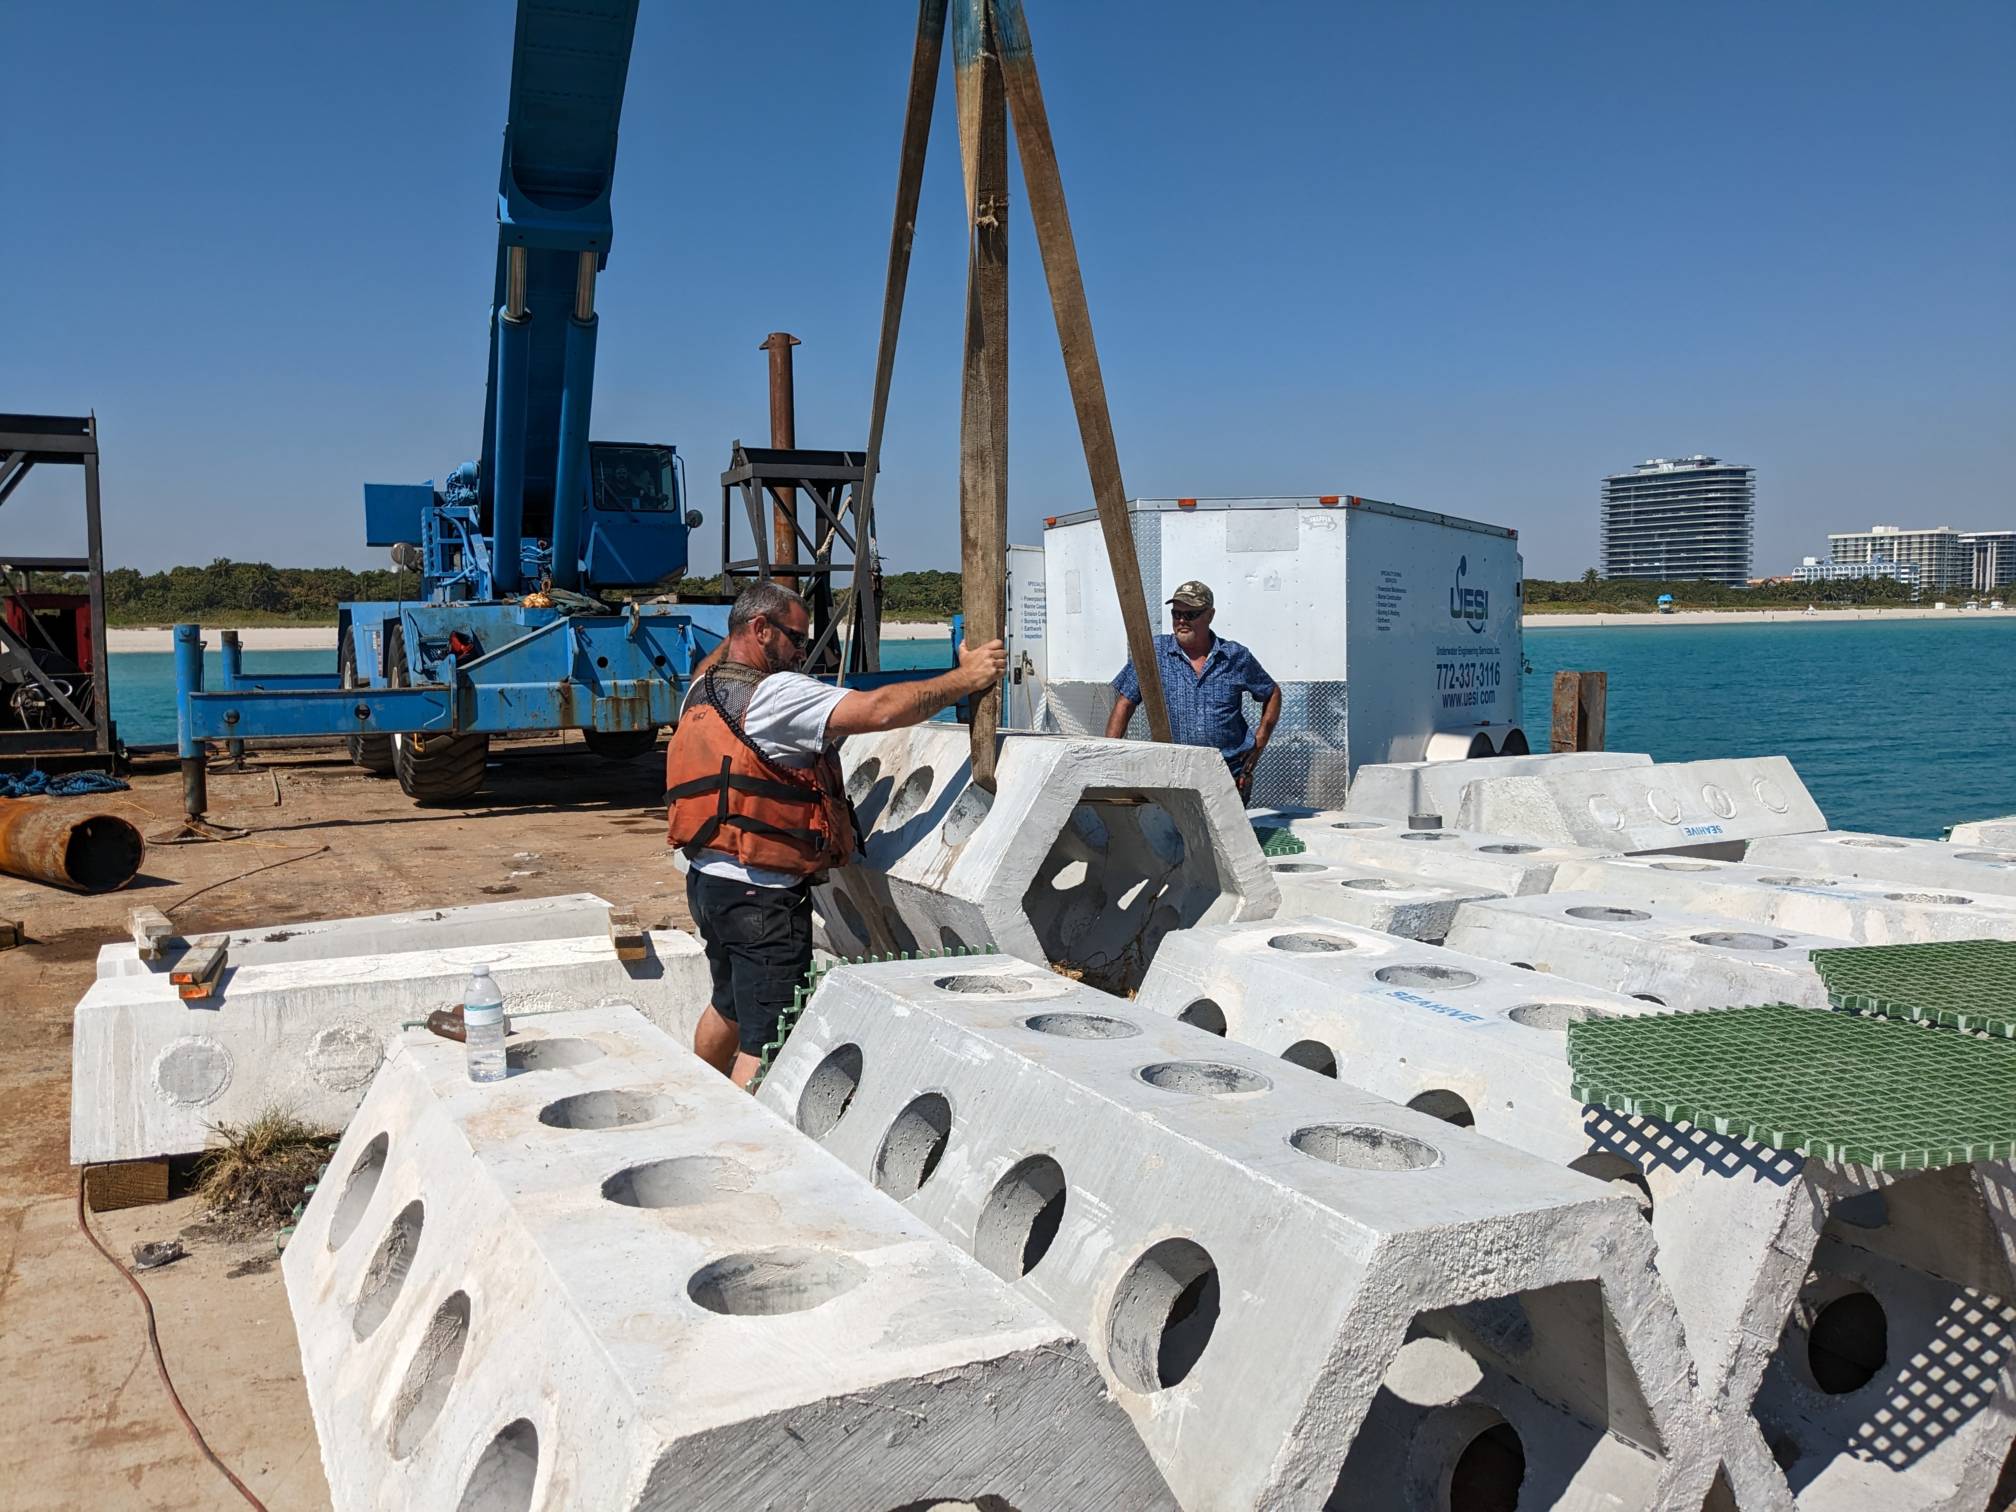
75, 785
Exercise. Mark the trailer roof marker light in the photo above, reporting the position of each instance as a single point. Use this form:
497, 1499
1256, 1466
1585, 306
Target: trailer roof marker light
1186, 503
1328, 501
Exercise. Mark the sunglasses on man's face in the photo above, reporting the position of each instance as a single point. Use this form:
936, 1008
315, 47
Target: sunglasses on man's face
1185, 614
799, 639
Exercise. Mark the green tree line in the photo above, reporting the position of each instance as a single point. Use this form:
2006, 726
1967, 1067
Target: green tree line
258, 591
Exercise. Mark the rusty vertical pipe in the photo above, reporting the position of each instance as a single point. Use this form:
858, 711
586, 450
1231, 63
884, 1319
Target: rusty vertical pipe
783, 436
48, 840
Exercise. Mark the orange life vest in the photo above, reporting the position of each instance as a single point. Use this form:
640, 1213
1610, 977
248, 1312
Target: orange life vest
723, 794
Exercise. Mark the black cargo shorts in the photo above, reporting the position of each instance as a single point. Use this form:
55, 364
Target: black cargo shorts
759, 947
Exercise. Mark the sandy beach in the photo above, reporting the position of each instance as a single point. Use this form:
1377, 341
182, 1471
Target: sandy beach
1754, 617
323, 637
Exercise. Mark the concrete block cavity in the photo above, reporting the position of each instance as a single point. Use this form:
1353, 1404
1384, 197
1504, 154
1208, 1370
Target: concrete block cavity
1935, 865
1471, 1040
1892, 1379
1710, 808
1390, 901
611, 1281
151, 1074
519, 921
1504, 865
1655, 953
1399, 790
1248, 1247
1866, 910
1086, 856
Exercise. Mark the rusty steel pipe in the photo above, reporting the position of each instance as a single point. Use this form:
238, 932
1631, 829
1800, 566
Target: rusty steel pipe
783, 435
51, 840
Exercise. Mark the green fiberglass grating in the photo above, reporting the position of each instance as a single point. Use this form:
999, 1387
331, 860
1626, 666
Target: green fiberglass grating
1861, 1091
1278, 842
1958, 984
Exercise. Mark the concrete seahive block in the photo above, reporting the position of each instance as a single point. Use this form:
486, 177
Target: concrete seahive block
1867, 911
1304, 1296
513, 922
1401, 789
611, 1281
1937, 865
1652, 952
151, 1073
1473, 1041
1991, 834
1753, 1242
1086, 855
1503, 865
1389, 901
1709, 808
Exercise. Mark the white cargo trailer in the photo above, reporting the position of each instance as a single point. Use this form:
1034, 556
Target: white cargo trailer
1394, 632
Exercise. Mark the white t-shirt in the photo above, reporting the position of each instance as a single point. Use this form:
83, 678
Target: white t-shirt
786, 718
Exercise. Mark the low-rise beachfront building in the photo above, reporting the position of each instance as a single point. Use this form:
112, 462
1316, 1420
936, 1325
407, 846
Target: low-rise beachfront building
1813, 570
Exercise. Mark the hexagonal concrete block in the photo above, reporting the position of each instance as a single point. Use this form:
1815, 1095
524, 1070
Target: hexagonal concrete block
151, 1073
1986, 834
1086, 855
611, 1281
1391, 902
1700, 807
1500, 864
1659, 954
1933, 864
1303, 1295
1868, 911
1401, 789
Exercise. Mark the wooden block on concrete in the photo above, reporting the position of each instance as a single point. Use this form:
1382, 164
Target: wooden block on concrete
151, 932
126, 1183
202, 965
12, 933
627, 935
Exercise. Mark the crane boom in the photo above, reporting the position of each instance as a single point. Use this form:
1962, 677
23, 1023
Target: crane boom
569, 63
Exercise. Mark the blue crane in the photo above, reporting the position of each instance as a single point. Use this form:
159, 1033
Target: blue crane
509, 632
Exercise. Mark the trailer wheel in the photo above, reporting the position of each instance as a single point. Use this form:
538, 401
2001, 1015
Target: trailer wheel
434, 768
371, 752
621, 745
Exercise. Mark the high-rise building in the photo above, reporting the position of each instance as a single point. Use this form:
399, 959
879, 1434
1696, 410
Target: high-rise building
1690, 519
1942, 561
1991, 559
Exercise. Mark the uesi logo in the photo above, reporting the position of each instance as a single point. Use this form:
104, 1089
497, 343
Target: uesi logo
1471, 605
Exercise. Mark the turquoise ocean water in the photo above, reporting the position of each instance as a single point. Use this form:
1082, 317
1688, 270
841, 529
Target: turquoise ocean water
1902, 727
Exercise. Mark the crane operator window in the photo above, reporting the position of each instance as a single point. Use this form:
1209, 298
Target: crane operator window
630, 478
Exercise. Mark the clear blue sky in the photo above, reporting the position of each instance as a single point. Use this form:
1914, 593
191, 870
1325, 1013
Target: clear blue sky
1469, 257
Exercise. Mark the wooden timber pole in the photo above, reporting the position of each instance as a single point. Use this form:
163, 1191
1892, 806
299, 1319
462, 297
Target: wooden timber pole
902, 233
1579, 710
1054, 243
983, 391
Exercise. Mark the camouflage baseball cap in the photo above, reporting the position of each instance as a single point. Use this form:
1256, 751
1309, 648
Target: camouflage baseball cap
1192, 595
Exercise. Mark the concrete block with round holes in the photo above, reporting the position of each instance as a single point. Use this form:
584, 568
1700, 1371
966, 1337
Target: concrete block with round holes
1086, 855
1503, 865
1937, 865
612, 1281
1399, 790
1746, 1243
514, 921
1257, 1256
1701, 807
151, 1073
1472, 1041
1985, 834
1868, 911
1389, 901
1657, 953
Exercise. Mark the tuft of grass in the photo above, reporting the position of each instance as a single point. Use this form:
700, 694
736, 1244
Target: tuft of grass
252, 1176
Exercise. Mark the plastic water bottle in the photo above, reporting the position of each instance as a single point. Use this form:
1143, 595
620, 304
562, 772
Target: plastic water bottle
483, 1026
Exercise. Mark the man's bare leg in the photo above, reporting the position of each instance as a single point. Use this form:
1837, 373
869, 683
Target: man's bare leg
745, 1069
716, 1041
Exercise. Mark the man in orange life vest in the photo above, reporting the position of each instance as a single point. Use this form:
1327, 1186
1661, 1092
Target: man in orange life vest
757, 805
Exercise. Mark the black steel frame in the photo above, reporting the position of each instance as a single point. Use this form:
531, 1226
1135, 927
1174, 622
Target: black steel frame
833, 480
64, 441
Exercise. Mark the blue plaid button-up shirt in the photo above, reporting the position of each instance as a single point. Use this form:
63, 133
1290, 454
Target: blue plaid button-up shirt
1207, 708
